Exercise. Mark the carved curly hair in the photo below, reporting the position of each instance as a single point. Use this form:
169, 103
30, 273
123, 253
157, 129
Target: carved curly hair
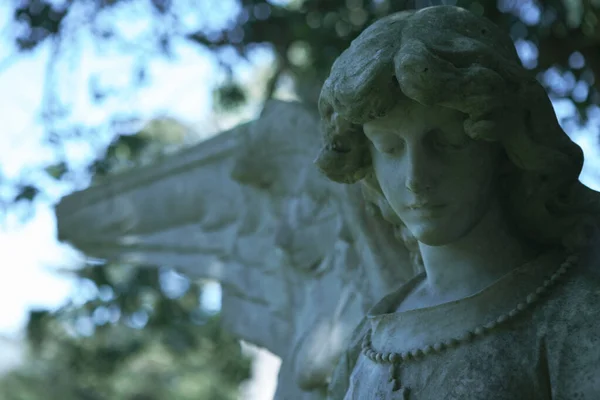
447, 56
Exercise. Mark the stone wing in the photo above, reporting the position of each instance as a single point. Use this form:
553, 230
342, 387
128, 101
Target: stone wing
300, 258
185, 211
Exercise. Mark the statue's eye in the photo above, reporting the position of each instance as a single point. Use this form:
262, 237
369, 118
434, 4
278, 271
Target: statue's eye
449, 141
391, 147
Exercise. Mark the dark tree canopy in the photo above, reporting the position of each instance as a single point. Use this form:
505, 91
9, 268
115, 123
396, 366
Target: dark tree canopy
558, 40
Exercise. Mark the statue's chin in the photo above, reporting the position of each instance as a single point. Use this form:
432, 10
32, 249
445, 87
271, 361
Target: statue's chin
435, 234
430, 236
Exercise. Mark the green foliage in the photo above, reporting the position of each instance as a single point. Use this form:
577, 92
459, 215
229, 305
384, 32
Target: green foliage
120, 153
57, 170
27, 193
130, 333
131, 339
556, 28
43, 18
230, 96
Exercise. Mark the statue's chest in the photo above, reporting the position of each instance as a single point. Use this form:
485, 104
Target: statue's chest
501, 367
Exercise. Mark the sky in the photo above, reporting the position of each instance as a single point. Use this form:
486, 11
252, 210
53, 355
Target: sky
30, 254
28, 251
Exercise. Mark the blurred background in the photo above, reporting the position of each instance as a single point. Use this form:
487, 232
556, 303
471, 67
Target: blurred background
89, 88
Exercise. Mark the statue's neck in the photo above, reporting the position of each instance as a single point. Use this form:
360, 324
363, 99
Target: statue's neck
489, 251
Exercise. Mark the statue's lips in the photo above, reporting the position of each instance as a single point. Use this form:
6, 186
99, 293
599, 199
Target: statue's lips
427, 210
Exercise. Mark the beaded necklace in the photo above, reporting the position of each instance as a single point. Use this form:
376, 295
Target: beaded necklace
395, 359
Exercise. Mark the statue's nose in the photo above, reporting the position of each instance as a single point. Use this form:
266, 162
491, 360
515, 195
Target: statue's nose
417, 186
419, 174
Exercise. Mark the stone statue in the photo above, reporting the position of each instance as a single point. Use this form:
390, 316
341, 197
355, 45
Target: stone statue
434, 106
448, 256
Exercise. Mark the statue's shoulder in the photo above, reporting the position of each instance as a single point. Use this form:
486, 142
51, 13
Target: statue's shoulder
572, 333
572, 309
583, 287
579, 297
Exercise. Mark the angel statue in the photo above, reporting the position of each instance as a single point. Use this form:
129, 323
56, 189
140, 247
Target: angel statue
435, 110
301, 259
441, 248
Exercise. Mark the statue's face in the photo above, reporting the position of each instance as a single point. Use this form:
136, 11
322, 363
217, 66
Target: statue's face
437, 180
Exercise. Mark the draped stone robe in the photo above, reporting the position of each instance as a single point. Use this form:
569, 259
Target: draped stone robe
549, 351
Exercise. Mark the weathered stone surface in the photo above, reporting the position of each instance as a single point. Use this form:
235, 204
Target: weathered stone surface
433, 110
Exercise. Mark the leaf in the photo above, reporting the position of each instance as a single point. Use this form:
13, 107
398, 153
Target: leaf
230, 96
28, 193
36, 327
57, 170
162, 6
